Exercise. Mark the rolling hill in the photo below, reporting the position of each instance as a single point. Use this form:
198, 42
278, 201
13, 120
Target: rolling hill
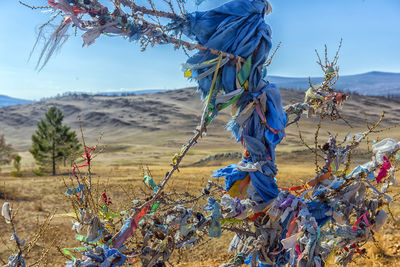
159, 123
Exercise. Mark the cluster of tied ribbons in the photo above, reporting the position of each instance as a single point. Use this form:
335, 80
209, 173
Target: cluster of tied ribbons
336, 211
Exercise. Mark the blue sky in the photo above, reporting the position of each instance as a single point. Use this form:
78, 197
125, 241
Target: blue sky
370, 30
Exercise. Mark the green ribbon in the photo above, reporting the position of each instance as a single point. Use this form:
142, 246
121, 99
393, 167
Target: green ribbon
103, 212
67, 251
221, 106
243, 75
245, 71
230, 220
154, 208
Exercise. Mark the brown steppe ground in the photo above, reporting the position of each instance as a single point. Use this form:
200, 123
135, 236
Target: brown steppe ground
151, 136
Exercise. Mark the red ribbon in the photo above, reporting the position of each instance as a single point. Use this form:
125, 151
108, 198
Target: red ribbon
88, 157
297, 247
75, 9
356, 249
292, 226
256, 216
105, 198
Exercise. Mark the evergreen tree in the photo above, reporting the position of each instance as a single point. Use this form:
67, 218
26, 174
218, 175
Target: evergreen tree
53, 141
17, 163
72, 147
6, 154
17, 166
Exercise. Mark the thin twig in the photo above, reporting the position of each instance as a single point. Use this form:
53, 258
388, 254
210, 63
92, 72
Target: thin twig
34, 7
317, 168
269, 61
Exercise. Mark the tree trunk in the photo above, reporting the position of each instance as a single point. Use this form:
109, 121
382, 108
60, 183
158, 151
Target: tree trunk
54, 159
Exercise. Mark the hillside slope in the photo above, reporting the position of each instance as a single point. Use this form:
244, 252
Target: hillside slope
166, 119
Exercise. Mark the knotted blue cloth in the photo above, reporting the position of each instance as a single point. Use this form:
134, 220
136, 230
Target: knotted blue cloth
261, 141
264, 182
318, 211
238, 28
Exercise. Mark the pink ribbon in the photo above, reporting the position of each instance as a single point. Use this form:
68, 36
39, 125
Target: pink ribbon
362, 217
383, 171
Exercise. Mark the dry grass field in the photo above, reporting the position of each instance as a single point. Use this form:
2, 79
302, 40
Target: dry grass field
150, 137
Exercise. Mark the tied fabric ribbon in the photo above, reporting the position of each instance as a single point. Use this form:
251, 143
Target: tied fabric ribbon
292, 226
243, 185
299, 190
148, 180
76, 10
67, 251
384, 169
299, 254
106, 199
239, 208
206, 118
263, 119
88, 157
6, 212
303, 189
356, 249
256, 216
362, 217
293, 188
129, 228
79, 191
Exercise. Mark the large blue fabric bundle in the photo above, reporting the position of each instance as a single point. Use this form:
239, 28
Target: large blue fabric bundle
238, 28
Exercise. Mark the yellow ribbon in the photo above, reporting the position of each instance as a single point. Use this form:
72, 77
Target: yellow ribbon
211, 90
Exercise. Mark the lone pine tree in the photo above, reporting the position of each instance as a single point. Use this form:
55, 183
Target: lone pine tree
53, 141
6, 151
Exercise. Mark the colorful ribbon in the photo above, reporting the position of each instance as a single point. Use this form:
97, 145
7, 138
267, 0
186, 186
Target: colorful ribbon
88, 157
362, 217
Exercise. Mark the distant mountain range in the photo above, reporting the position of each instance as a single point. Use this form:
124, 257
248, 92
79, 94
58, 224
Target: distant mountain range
6, 101
127, 93
373, 83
